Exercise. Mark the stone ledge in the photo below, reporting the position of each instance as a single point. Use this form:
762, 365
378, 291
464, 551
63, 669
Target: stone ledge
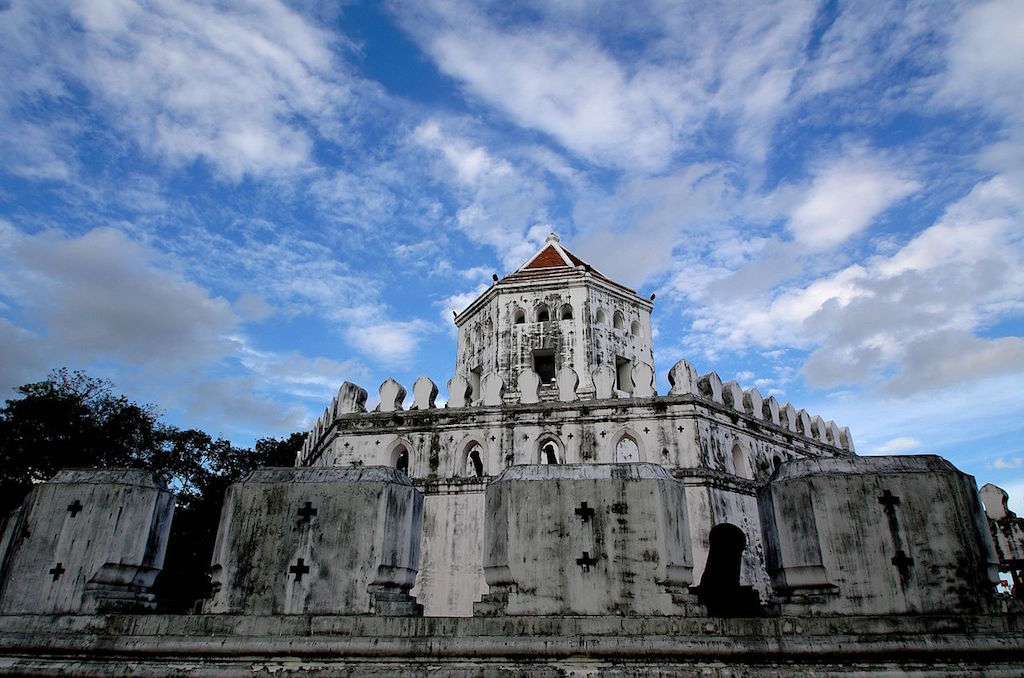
613, 647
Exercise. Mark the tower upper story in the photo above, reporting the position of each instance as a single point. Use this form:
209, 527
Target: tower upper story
554, 313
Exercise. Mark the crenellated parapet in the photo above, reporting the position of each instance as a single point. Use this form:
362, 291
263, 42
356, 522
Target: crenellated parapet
727, 401
663, 428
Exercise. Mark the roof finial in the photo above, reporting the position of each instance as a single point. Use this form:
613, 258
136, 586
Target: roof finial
551, 238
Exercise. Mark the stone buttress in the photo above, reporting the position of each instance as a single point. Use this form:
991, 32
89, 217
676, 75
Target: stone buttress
318, 541
88, 540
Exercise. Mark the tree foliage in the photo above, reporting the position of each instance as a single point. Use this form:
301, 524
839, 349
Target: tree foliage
74, 420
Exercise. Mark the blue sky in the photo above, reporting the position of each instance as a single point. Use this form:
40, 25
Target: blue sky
230, 208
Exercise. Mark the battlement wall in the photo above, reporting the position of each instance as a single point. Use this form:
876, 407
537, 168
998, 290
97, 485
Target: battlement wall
697, 423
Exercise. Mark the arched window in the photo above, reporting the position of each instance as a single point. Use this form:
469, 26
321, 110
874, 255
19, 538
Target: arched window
618, 321
566, 312
634, 328
519, 316
400, 459
473, 461
549, 450
739, 462
601, 318
543, 315
626, 450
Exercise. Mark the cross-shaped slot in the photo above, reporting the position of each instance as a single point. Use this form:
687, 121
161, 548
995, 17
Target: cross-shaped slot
57, 571
307, 512
902, 561
298, 569
584, 512
586, 561
888, 499
74, 508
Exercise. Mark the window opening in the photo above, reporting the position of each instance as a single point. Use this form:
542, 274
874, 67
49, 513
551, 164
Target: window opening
619, 321
566, 312
601, 318
634, 329
739, 462
519, 317
477, 462
544, 365
627, 451
549, 453
623, 379
543, 315
402, 459
474, 383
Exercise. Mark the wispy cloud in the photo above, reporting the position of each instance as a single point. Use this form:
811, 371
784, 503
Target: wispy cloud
845, 197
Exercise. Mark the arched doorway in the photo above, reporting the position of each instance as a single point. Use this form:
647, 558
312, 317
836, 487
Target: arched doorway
720, 588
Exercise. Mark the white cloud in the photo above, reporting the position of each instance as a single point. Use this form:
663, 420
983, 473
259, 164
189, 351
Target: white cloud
501, 205
392, 343
907, 319
101, 296
1003, 463
562, 76
457, 303
983, 60
298, 375
845, 197
186, 80
897, 445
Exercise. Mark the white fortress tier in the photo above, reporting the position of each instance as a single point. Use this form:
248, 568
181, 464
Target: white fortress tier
555, 365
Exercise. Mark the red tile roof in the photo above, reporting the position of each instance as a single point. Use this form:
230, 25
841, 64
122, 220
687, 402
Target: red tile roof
556, 260
548, 257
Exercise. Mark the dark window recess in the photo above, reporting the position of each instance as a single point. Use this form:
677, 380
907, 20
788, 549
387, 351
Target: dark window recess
544, 365
478, 464
475, 375
402, 461
623, 378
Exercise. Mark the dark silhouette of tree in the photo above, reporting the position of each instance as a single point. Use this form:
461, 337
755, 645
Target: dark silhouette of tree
73, 420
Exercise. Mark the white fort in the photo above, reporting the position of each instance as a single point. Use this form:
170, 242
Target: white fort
555, 366
556, 517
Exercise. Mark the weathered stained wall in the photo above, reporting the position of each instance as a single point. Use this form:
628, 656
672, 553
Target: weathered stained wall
878, 535
586, 539
720, 451
214, 646
86, 540
450, 577
318, 541
607, 322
